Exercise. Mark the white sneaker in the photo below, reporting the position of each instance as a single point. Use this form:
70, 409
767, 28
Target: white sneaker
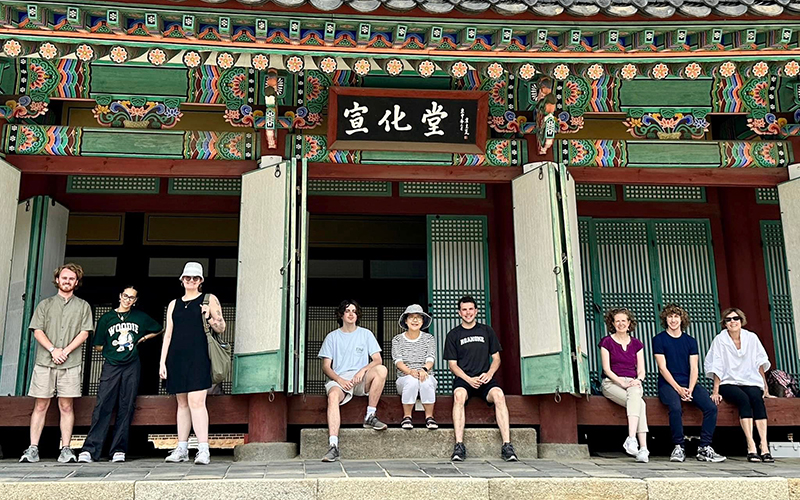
631, 446
178, 455
85, 457
118, 457
643, 455
203, 457
678, 454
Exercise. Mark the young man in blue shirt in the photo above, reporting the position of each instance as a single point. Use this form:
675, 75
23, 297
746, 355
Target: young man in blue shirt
677, 357
351, 359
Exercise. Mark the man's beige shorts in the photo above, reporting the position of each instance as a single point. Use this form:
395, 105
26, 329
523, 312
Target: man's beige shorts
356, 390
46, 382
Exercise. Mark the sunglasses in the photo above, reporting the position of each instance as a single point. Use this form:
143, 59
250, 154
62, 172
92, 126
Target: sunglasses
733, 318
192, 278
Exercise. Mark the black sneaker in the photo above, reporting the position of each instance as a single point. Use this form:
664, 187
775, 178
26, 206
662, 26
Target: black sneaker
332, 455
707, 454
508, 453
459, 453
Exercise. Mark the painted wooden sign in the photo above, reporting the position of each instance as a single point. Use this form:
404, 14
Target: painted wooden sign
408, 120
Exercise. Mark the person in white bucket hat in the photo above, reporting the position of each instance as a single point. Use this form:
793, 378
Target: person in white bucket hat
414, 352
185, 364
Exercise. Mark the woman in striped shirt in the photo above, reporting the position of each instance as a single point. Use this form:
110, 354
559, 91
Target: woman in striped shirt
413, 352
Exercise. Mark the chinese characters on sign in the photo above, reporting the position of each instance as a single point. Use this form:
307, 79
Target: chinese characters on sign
379, 122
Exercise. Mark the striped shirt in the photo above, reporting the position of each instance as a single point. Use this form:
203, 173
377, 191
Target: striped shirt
414, 353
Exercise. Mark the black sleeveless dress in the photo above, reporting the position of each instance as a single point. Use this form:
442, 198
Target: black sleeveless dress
188, 364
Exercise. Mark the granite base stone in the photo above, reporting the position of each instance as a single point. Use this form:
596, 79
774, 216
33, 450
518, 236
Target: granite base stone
705, 488
367, 444
264, 452
68, 490
239, 489
557, 451
461, 488
572, 488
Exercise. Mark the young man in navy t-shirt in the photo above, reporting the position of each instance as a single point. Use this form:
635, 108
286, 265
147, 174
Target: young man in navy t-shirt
473, 354
677, 358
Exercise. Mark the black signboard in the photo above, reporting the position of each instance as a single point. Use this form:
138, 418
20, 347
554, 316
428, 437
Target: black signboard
407, 120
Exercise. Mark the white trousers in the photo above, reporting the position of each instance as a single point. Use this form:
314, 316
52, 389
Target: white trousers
408, 387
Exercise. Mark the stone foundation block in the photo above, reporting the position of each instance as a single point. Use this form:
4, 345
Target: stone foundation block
68, 490
403, 489
367, 444
238, 489
708, 488
571, 488
557, 451
264, 452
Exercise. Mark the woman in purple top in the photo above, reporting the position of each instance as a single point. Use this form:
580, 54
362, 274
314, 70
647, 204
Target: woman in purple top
623, 374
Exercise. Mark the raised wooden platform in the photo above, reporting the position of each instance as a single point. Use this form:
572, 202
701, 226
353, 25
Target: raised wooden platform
311, 411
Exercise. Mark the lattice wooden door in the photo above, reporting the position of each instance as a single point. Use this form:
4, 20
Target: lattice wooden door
643, 264
780, 297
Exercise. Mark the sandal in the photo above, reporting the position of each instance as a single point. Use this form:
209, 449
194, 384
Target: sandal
430, 423
406, 423
766, 457
753, 457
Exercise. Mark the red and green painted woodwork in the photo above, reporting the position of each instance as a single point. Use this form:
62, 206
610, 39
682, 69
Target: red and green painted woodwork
499, 153
168, 26
682, 154
31, 139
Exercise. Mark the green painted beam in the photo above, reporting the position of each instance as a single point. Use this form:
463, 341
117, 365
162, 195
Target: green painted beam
139, 143
665, 93
124, 81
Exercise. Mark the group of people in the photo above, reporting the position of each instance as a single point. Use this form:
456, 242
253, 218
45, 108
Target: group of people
351, 359
63, 322
736, 362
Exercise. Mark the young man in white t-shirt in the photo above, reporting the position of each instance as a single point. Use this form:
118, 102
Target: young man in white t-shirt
352, 361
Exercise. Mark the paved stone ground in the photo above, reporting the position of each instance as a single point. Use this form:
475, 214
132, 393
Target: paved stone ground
224, 468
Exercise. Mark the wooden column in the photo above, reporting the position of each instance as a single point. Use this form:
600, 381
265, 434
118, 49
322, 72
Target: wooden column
746, 274
266, 421
558, 422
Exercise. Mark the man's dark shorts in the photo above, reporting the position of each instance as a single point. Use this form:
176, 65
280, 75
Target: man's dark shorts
482, 391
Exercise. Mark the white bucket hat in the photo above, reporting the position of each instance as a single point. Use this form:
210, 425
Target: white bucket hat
192, 269
415, 309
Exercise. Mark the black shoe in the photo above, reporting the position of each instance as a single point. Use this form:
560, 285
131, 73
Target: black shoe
508, 453
459, 453
332, 455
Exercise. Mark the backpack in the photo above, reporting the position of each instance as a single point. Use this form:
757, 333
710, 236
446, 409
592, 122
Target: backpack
782, 384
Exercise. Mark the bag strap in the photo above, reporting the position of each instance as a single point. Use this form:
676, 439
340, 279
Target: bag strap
206, 328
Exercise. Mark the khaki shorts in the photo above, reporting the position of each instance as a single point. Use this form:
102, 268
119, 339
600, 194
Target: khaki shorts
356, 390
46, 382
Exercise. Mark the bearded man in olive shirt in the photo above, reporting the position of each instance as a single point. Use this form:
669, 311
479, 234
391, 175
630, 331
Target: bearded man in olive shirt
60, 325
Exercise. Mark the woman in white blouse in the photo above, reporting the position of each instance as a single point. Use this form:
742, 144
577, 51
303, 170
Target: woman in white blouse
737, 362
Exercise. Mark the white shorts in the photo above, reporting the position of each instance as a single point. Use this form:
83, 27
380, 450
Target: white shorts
409, 388
356, 390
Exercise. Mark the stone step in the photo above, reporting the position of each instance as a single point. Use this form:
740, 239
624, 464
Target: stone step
367, 444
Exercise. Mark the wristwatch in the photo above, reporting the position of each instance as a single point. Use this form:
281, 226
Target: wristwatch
52, 348
426, 369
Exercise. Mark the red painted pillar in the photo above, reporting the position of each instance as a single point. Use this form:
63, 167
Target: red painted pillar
267, 419
558, 421
747, 278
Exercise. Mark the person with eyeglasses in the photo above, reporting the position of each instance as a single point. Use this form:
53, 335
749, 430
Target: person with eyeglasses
677, 357
622, 357
737, 362
118, 335
185, 364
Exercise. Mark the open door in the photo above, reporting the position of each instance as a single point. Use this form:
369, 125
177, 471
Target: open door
263, 309
39, 242
296, 358
789, 196
9, 343
551, 328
